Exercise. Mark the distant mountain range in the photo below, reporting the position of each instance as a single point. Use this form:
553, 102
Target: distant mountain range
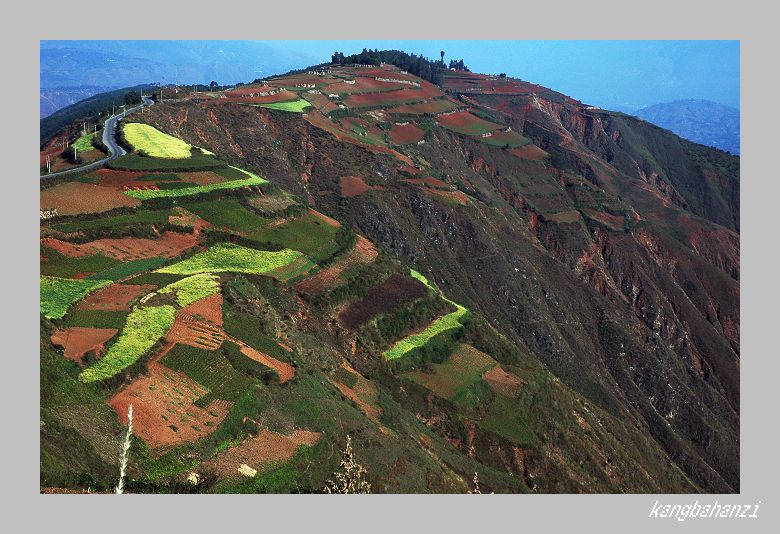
701, 121
54, 99
110, 64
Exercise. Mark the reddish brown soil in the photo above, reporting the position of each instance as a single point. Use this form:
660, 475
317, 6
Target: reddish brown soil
262, 449
285, 370
364, 394
503, 382
189, 330
408, 133
426, 91
74, 198
209, 309
532, 152
463, 120
77, 341
363, 253
613, 221
168, 245
384, 298
353, 186
116, 297
165, 398
409, 169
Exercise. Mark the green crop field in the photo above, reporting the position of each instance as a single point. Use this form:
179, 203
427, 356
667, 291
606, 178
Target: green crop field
198, 161
227, 213
295, 106
210, 369
84, 142
306, 233
451, 321
57, 294
464, 367
227, 257
62, 266
138, 217
155, 143
144, 327
193, 288
147, 194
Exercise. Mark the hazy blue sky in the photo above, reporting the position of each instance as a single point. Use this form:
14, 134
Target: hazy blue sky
622, 75
626, 74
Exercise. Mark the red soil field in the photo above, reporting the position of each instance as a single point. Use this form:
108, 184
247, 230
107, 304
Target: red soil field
363, 253
320, 102
408, 133
456, 196
74, 198
247, 90
168, 245
77, 341
353, 186
259, 450
164, 399
409, 169
426, 91
124, 180
383, 298
285, 370
364, 394
116, 297
209, 309
432, 106
504, 383
465, 122
531, 152
363, 85
281, 96
194, 333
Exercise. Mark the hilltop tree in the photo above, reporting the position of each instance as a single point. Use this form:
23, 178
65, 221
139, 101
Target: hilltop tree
132, 97
442, 56
213, 85
350, 478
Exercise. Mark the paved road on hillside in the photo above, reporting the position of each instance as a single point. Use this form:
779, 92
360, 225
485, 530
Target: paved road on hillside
109, 139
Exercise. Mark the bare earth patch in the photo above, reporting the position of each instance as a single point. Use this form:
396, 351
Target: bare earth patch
363, 253
260, 450
77, 341
168, 245
74, 198
116, 297
164, 413
503, 382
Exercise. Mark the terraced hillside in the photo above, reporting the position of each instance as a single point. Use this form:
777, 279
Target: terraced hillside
480, 277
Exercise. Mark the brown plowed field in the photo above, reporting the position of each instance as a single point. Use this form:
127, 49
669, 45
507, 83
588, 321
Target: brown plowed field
116, 297
194, 332
262, 449
408, 133
285, 370
209, 309
430, 181
531, 152
363, 253
74, 198
77, 341
384, 298
168, 245
503, 382
164, 413
363, 393
401, 96
353, 186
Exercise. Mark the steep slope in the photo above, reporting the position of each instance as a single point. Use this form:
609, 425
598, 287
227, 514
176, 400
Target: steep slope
597, 256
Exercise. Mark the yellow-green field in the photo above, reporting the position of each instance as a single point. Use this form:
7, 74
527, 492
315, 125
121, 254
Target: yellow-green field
154, 142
